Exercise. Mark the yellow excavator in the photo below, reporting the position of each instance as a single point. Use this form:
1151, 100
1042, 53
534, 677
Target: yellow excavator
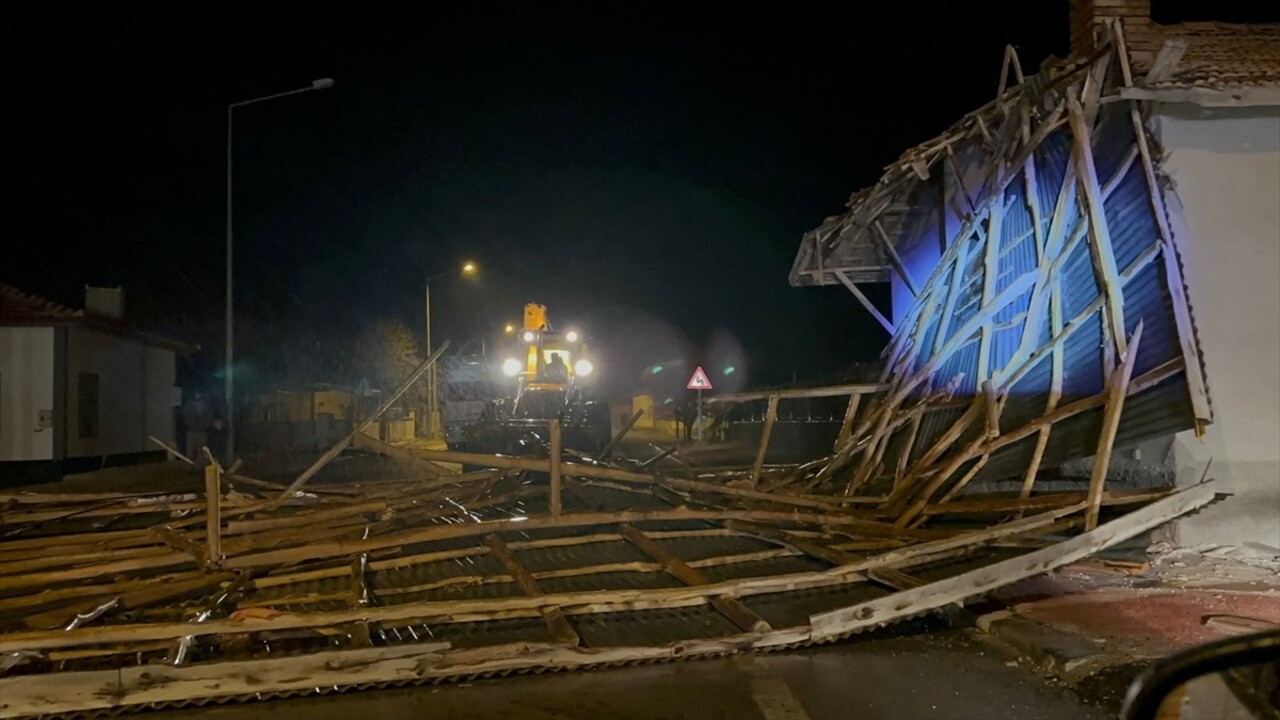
548, 374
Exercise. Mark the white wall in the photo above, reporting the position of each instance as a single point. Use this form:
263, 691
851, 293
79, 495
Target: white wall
135, 393
26, 388
1225, 164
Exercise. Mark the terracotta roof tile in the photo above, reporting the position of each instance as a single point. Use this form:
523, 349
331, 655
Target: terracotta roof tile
1221, 55
20, 308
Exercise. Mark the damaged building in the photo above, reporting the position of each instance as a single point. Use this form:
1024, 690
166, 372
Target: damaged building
1109, 219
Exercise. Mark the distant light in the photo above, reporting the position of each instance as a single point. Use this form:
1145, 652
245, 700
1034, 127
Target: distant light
509, 329
469, 268
529, 336
571, 336
511, 367
668, 401
656, 369
322, 84
583, 367
729, 370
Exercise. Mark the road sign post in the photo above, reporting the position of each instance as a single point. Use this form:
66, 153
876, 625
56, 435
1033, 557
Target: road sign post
699, 382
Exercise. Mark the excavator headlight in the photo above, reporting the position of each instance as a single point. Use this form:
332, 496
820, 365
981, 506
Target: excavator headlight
529, 336
571, 336
511, 367
583, 367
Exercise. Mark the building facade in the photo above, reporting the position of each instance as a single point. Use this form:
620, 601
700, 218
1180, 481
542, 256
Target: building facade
77, 389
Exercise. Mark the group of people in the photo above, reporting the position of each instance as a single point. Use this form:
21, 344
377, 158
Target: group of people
203, 426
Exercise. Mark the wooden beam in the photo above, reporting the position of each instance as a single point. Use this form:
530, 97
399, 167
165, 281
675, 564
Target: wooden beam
991, 269
896, 259
342, 444
770, 416
556, 450
839, 623
731, 608
1173, 271
798, 393
617, 437
866, 303
846, 426
1117, 391
557, 624
1099, 231
1207, 97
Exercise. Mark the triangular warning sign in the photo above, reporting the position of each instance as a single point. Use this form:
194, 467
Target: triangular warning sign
699, 381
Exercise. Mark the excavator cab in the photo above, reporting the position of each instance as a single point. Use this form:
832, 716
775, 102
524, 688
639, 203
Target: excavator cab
549, 375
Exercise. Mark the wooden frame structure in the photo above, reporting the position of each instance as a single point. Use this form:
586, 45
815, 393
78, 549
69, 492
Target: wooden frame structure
1053, 326
387, 583
1010, 358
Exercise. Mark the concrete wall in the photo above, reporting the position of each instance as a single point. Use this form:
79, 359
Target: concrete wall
135, 393
26, 389
1225, 164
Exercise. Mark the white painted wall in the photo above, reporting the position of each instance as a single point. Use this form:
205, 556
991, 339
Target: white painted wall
26, 388
135, 389
1225, 164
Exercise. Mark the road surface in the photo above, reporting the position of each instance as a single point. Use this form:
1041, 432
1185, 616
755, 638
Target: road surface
944, 674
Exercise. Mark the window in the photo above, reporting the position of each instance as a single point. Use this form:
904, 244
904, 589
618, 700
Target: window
87, 405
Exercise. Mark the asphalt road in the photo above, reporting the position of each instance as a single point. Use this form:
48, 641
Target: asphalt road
944, 674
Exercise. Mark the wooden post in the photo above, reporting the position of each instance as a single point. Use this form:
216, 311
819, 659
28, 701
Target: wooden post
770, 416
846, 427
555, 466
213, 510
1117, 390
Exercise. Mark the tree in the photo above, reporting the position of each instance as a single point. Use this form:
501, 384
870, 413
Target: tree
386, 353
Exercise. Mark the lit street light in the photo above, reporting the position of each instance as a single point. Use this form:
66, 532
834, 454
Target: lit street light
468, 269
320, 84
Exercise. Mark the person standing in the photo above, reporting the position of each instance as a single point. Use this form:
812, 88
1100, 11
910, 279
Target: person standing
196, 418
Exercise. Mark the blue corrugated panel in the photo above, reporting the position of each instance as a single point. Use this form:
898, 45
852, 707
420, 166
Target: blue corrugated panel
1079, 283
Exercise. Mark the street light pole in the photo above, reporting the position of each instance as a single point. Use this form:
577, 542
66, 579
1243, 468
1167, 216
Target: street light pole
229, 386
431, 374
468, 269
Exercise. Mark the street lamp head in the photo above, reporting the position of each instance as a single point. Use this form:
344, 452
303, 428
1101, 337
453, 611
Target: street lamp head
322, 83
469, 268
510, 329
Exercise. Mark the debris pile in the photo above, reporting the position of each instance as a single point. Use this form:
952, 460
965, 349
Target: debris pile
534, 563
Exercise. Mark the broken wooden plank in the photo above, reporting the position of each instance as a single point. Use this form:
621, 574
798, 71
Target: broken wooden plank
342, 444
731, 608
1117, 391
561, 631
770, 417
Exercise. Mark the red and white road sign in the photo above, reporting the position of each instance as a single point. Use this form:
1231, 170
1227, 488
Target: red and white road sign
699, 381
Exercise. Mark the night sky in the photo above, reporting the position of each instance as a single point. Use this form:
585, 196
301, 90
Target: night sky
646, 172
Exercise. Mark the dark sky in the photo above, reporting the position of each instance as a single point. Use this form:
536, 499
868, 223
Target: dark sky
645, 171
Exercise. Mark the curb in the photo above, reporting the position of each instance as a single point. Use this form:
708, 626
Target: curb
1068, 657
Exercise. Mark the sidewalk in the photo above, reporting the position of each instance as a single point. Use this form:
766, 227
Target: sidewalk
1100, 614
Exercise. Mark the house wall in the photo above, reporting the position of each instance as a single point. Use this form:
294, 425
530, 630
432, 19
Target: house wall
1225, 164
135, 394
26, 388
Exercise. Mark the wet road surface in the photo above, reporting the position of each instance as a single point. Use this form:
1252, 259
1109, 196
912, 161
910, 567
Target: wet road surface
944, 674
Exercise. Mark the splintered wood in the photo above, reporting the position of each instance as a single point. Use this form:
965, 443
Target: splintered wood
472, 573
257, 588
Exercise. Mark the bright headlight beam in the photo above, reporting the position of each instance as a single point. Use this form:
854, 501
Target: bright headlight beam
583, 367
511, 367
